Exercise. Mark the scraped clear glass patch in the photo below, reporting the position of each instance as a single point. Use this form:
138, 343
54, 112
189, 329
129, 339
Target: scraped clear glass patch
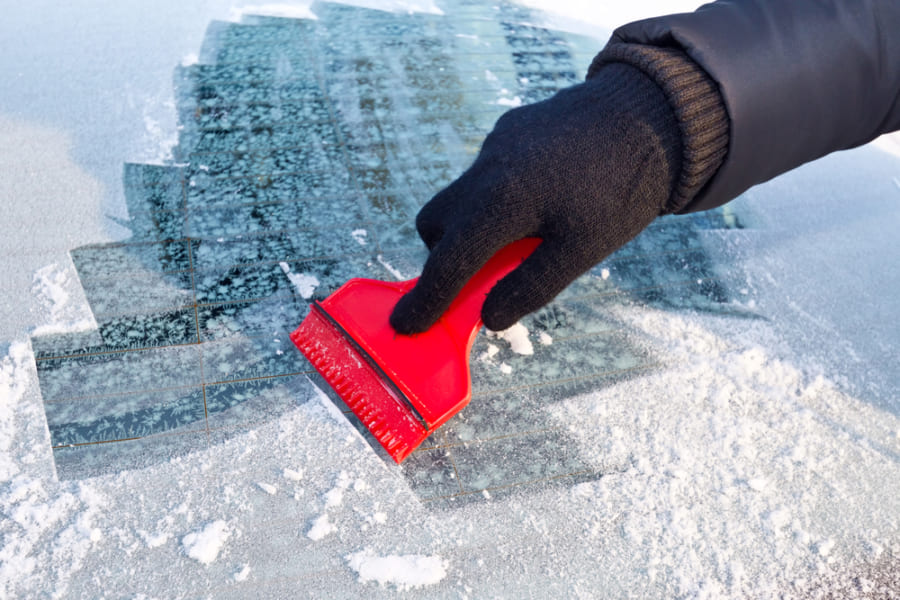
305, 151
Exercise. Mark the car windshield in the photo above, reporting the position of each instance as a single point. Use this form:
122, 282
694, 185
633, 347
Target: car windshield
712, 410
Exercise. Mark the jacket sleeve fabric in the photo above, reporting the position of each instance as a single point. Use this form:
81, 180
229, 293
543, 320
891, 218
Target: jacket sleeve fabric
799, 79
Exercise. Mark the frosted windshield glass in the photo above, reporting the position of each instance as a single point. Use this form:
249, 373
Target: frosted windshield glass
305, 150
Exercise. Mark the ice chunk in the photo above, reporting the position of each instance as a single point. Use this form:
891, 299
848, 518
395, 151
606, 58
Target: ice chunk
405, 572
204, 545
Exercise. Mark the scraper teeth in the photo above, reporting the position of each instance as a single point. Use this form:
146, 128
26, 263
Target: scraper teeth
356, 383
353, 399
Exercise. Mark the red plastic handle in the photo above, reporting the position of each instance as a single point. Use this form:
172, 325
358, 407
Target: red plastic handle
463, 316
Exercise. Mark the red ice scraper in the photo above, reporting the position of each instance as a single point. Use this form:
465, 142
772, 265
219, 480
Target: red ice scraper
401, 387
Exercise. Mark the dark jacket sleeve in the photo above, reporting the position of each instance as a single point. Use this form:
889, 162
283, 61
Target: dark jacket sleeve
799, 79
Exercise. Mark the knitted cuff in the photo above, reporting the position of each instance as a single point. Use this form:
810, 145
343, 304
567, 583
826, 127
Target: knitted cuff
698, 106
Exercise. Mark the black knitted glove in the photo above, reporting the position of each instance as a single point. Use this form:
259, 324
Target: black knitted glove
585, 170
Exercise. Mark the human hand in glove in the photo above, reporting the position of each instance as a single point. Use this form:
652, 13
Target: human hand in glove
585, 171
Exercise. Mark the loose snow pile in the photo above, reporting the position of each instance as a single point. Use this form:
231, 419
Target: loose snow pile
741, 474
304, 283
517, 338
204, 544
47, 529
404, 572
62, 301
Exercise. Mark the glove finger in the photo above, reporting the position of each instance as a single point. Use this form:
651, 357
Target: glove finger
434, 218
534, 283
457, 256
430, 222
